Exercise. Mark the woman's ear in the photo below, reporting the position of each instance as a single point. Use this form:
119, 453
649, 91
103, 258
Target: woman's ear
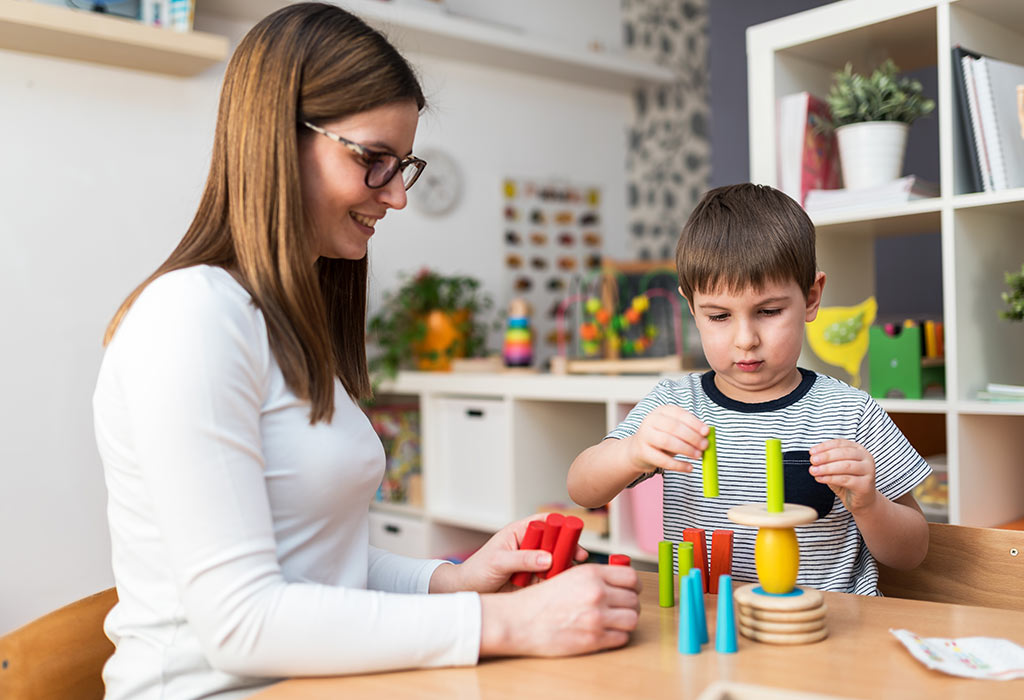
814, 297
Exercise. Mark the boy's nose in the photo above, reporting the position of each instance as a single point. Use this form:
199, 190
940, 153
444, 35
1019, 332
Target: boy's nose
746, 336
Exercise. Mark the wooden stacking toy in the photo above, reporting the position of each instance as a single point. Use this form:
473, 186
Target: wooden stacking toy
776, 610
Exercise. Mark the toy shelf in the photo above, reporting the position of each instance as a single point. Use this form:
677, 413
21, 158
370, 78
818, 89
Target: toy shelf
438, 33
980, 234
98, 38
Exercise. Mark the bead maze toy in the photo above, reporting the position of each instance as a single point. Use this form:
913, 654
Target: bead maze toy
617, 335
777, 611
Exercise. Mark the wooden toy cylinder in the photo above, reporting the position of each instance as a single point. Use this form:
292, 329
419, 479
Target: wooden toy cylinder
777, 558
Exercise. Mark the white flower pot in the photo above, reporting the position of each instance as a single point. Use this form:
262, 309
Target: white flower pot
871, 153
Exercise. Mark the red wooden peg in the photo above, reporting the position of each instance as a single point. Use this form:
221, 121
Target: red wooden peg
721, 557
565, 547
531, 540
552, 530
619, 560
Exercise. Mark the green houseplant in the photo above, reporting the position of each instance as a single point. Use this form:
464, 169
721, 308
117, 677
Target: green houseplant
430, 319
1014, 299
871, 115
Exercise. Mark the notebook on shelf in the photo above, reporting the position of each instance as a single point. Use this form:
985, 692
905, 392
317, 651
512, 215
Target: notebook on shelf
806, 152
966, 133
898, 191
997, 117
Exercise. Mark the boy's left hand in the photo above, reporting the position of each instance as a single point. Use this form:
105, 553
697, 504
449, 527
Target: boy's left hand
848, 469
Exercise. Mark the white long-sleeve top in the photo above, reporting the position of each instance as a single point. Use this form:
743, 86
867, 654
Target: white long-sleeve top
239, 531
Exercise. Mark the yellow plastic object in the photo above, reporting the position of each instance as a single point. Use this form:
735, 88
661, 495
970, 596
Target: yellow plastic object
839, 335
777, 558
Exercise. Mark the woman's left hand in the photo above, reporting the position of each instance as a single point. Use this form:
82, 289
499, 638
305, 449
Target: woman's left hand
489, 569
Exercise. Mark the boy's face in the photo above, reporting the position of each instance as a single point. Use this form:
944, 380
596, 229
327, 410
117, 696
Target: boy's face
753, 339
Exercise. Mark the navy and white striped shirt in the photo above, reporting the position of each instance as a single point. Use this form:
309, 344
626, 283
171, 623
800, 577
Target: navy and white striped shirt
833, 555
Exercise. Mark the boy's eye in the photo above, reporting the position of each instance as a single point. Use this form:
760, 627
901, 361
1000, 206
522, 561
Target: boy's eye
771, 312
718, 317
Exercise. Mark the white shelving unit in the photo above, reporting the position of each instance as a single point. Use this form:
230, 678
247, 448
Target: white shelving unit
97, 38
440, 34
981, 234
495, 447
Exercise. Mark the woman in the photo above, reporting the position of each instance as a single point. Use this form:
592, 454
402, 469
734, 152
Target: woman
239, 467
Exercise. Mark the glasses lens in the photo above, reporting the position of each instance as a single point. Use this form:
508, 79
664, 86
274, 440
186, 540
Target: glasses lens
381, 170
411, 172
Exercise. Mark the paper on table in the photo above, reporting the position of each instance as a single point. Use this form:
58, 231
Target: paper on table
971, 657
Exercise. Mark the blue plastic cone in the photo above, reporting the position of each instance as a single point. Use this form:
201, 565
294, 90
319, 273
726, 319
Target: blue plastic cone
698, 605
689, 636
725, 626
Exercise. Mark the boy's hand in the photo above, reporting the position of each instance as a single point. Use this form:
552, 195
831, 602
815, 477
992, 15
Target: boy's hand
665, 432
848, 469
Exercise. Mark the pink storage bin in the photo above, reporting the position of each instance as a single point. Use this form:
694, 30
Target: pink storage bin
645, 502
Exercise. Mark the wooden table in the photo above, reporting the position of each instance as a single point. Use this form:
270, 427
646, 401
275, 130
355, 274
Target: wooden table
859, 659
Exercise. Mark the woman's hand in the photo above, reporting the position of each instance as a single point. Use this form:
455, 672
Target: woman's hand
489, 569
848, 469
586, 608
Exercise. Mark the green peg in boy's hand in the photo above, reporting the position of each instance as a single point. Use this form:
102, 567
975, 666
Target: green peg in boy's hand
667, 431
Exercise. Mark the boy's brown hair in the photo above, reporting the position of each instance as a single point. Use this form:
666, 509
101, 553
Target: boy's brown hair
742, 236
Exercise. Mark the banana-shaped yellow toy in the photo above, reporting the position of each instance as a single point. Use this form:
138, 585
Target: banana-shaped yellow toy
839, 335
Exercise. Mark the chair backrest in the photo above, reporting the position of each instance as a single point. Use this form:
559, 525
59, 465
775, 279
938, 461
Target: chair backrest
59, 656
965, 565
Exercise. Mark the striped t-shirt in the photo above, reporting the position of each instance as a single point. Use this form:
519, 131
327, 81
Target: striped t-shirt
833, 555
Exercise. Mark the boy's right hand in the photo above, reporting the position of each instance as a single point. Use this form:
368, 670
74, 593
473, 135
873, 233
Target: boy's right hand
667, 431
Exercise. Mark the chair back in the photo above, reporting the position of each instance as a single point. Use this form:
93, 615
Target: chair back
965, 565
60, 655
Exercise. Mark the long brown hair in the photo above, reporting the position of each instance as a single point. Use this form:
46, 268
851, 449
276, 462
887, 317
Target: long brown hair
308, 61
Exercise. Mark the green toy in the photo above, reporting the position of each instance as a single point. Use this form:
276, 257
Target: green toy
895, 364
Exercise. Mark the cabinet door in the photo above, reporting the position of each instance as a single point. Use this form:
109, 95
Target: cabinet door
469, 484
399, 534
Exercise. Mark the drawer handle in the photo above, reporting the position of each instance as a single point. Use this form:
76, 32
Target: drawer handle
474, 413
392, 529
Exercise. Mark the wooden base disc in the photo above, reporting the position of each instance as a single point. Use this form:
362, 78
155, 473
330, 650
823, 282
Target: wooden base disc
781, 627
783, 616
751, 596
787, 638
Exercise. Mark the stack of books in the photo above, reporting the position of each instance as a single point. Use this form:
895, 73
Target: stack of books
896, 192
1002, 392
990, 111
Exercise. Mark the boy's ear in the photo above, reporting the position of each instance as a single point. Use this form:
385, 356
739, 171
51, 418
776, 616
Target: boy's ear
688, 302
814, 297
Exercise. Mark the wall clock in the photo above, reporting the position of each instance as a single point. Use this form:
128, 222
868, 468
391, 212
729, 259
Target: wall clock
439, 187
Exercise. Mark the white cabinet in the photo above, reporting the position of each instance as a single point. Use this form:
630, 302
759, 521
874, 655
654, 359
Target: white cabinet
981, 235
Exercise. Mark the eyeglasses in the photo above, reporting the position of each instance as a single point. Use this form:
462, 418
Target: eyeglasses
381, 166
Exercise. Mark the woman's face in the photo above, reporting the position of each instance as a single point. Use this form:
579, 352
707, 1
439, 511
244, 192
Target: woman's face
343, 210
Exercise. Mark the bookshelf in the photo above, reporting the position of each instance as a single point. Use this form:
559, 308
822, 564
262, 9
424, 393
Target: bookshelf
980, 234
448, 36
114, 41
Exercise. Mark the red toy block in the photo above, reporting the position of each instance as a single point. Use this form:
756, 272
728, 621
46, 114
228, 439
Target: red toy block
553, 528
531, 540
700, 552
721, 556
619, 560
565, 547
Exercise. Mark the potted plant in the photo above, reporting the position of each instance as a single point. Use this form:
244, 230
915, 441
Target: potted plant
427, 321
871, 115
1014, 299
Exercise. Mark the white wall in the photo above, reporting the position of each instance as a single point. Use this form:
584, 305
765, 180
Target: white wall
100, 172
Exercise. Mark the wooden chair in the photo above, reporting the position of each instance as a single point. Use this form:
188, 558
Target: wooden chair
965, 565
59, 656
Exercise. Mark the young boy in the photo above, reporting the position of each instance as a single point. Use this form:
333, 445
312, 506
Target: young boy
746, 265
